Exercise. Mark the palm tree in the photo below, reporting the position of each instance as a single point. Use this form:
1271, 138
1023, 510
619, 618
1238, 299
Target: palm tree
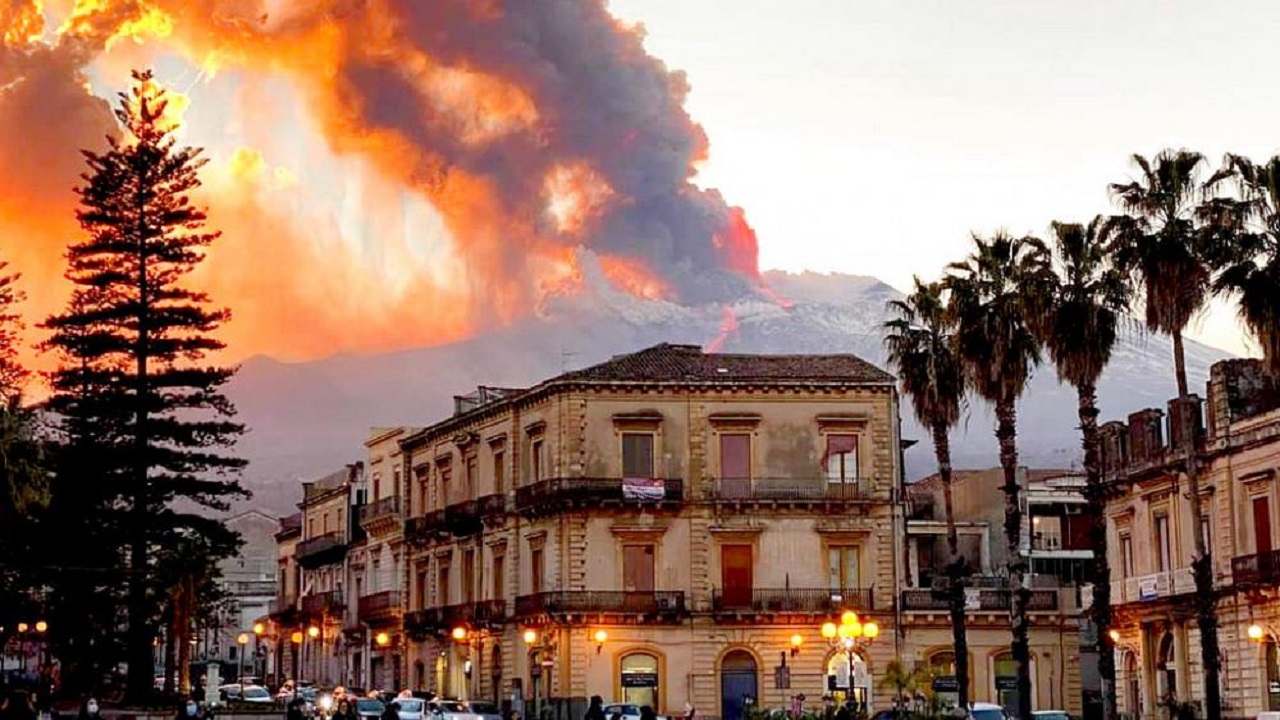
1161, 245
1251, 261
1079, 331
997, 294
920, 338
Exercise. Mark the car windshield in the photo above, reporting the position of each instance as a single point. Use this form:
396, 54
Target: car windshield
451, 707
988, 715
256, 692
483, 708
366, 705
1052, 716
409, 706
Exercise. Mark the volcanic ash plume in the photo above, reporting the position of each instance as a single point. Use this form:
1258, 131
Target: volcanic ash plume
535, 129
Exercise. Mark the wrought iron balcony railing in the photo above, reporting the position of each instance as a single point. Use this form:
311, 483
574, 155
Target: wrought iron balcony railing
387, 507
323, 603
791, 600
583, 602
424, 528
556, 493
321, 548
463, 518
472, 615
380, 606
1257, 570
789, 490
988, 600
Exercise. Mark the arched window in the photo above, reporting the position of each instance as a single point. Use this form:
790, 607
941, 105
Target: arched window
639, 679
739, 688
495, 670
1004, 678
1166, 668
1133, 681
942, 664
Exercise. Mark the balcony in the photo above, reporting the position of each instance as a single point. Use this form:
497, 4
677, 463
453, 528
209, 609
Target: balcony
283, 608
423, 529
655, 606
381, 515
1256, 570
379, 608
321, 550
989, 600
329, 602
463, 518
788, 491
1146, 588
493, 507
790, 601
441, 620
556, 494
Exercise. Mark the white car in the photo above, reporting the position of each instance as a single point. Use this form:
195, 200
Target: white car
628, 711
483, 710
988, 711
411, 708
449, 710
256, 694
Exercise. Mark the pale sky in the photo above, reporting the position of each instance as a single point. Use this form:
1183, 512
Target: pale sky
870, 136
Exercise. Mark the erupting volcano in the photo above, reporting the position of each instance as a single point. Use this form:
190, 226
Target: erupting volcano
387, 173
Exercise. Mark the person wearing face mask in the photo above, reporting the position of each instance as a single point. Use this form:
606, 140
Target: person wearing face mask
90, 710
190, 711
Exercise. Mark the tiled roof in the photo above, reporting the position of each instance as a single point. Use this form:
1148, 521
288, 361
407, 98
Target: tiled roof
679, 363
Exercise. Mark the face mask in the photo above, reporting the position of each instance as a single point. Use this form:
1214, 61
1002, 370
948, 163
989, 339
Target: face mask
191, 709
92, 707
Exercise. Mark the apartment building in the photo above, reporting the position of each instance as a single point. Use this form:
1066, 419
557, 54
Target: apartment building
329, 527
1053, 541
669, 526
1152, 533
284, 619
373, 637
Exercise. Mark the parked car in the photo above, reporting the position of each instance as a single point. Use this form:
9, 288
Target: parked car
369, 708
449, 710
256, 694
411, 708
483, 710
230, 691
988, 711
1051, 715
628, 711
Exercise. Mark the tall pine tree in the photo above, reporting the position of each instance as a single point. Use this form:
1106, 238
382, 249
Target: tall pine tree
135, 387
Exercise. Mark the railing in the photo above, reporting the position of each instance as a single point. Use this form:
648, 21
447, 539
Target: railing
570, 602
330, 601
1046, 541
463, 518
379, 606
386, 507
994, 600
1259, 569
418, 530
806, 490
793, 600
559, 491
282, 604
484, 613
494, 505
319, 545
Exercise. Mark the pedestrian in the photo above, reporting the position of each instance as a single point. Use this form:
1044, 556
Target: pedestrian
596, 710
294, 709
391, 711
843, 713
345, 711
190, 710
647, 713
19, 707
90, 710
689, 712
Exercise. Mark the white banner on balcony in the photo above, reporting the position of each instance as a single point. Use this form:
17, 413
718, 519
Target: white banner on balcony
972, 599
1149, 587
643, 488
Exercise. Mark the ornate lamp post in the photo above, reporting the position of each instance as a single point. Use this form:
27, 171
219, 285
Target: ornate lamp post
259, 664
243, 641
853, 636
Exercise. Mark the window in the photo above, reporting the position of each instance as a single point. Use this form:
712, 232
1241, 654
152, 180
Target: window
472, 464
1262, 525
1164, 558
423, 492
324, 524
442, 585
535, 570
468, 576
359, 586
637, 568
535, 459
735, 456
842, 567
377, 487
375, 576
446, 493
639, 680
499, 471
422, 589
395, 490
1206, 534
842, 458
1126, 556
311, 527
499, 577
637, 455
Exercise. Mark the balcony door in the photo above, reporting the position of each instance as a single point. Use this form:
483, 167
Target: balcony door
736, 574
1262, 525
637, 568
735, 465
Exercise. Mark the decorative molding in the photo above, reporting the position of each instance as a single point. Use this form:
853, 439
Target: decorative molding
835, 422
1258, 477
466, 439
535, 428
639, 420
496, 440
727, 420
536, 539
638, 533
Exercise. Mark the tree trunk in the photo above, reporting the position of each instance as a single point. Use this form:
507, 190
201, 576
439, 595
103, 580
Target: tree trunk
955, 567
182, 623
170, 650
1007, 435
1095, 494
1202, 564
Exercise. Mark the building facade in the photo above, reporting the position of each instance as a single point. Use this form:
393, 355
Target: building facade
374, 634
666, 527
284, 619
1151, 544
1053, 541
330, 526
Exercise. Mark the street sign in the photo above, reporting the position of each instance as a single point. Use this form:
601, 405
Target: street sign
1006, 682
639, 680
946, 683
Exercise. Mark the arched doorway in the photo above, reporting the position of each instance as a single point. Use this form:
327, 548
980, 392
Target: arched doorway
495, 673
847, 674
738, 684
942, 664
1004, 678
1166, 668
639, 679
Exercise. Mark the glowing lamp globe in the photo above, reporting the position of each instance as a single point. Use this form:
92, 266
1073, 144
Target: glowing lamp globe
1115, 636
601, 636
382, 639
530, 636
797, 641
22, 627
243, 638
41, 626
296, 637
313, 631
849, 617
1255, 632
459, 633
829, 630
871, 630
259, 628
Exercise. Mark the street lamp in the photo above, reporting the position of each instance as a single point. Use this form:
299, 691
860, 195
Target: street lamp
459, 633
600, 637
243, 641
382, 639
296, 639
852, 635
796, 641
258, 630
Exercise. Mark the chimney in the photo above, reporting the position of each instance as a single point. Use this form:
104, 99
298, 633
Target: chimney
1146, 435
1113, 445
1185, 427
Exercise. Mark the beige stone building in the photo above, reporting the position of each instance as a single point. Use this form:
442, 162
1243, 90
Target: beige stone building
284, 619
1054, 543
657, 529
328, 531
1151, 545
373, 637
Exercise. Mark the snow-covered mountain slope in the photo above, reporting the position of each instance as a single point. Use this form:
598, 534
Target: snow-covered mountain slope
308, 418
